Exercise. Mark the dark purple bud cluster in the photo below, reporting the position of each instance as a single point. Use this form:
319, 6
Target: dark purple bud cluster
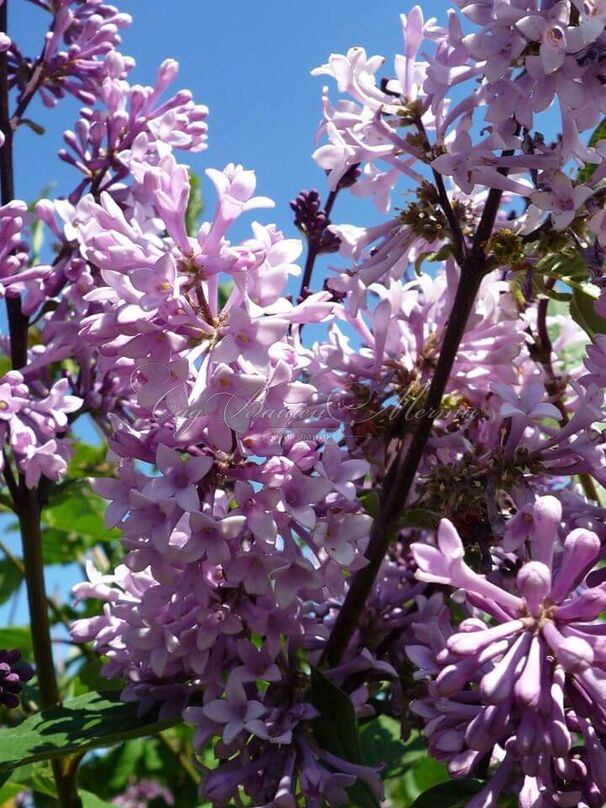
311, 219
13, 673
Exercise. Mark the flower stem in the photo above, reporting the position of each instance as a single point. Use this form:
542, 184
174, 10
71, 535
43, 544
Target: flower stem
312, 247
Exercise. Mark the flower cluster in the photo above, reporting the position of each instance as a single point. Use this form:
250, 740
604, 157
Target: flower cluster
256, 469
527, 671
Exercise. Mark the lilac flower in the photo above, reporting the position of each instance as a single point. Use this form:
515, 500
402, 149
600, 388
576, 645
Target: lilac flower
139, 795
209, 537
235, 712
526, 679
550, 31
563, 200
526, 409
180, 477
595, 362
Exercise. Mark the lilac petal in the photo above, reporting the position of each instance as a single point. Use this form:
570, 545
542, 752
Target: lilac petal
497, 685
534, 582
587, 606
547, 514
581, 548
469, 642
528, 685
573, 653
596, 754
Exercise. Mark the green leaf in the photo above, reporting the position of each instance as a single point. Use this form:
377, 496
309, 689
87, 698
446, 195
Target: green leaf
34, 777
582, 310
454, 794
89, 721
43, 781
599, 133
10, 790
74, 525
336, 729
90, 800
89, 678
195, 206
225, 290
17, 637
382, 745
371, 502
420, 518
10, 579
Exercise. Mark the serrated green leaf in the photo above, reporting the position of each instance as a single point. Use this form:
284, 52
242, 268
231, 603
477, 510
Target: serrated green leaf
87, 722
454, 794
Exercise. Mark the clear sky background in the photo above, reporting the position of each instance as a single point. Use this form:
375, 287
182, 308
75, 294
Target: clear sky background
249, 61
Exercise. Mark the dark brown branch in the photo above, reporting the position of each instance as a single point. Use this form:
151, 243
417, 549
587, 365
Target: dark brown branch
400, 475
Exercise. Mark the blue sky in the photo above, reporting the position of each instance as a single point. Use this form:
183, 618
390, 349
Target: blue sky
249, 61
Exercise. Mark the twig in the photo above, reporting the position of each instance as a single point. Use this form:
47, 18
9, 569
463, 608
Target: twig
313, 247
460, 245
32, 88
184, 760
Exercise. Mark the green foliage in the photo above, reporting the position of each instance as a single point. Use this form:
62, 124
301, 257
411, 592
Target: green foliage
10, 579
454, 794
599, 133
90, 800
407, 769
224, 292
195, 206
74, 526
336, 729
89, 721
18, 637
582, 310
165, 758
